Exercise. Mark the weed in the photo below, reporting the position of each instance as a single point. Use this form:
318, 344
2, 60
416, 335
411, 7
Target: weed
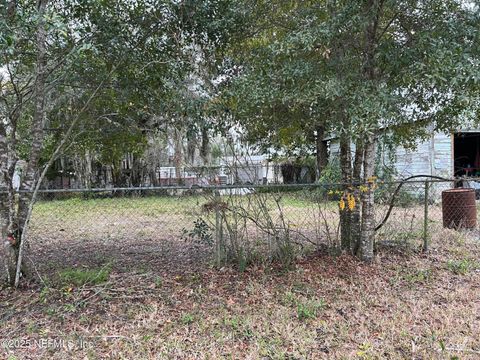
83, 319
270, 348
51, 311
364, 350
201, 233
32, 328
418, 276
70, 308
81, 277
147, 338
195, 279
302, 289
309, 309
285, 253
158, 281
289, 299
462, 267
242, 262
44, 294
239, 327
233, 322
187, 319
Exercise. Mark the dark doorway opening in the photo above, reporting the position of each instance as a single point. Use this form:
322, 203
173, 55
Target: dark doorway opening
466, 152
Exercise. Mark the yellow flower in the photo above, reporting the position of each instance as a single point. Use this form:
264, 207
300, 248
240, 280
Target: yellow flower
363, 188
351, 201
341, 204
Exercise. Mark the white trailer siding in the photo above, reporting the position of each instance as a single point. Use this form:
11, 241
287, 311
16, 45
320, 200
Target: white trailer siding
414, 162
433, 156
443, 160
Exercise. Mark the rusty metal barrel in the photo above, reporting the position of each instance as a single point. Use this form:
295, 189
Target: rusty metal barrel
459, 208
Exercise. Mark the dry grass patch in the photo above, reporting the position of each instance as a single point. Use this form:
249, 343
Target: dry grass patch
405, 305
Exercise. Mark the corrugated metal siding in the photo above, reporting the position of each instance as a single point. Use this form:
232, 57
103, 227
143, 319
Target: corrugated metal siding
414, 162
443, 159
334, 148
407, 162
431, 157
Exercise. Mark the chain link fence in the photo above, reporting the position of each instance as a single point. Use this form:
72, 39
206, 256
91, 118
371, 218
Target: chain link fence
413, 212
186, 226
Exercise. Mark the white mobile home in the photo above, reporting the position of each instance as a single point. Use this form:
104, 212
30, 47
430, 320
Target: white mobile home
446, 155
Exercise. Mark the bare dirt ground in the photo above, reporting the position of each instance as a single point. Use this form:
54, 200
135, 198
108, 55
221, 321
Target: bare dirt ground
162, 300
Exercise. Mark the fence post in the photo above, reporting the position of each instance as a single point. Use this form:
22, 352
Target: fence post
218, 231
425, 218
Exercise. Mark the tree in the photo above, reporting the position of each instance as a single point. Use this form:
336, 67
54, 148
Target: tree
15, 89
86, 69
98, 78
272, 98
356, 68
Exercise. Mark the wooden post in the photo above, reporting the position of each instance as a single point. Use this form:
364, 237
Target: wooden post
425, 218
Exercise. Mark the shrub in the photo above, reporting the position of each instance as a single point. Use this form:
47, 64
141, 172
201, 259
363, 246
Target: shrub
201, 233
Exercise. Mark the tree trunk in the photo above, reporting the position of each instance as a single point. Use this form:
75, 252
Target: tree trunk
5, 260
137, 171
321, 151
10, 255
365, 252
356, 212
3, 157
10, 247
118, 179
191, 147
205, 152
78, 171
7, 254
178, 155
88, 170
346, 169
31, 172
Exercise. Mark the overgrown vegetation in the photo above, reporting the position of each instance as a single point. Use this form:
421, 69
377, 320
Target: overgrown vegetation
407, 305
120, 93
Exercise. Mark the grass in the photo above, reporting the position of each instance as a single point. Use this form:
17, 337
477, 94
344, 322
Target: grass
418, 276
326, 308
309, 309
306, 305
162, 301
187, 319
81, 277
107, 219
463, 266
148, 206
